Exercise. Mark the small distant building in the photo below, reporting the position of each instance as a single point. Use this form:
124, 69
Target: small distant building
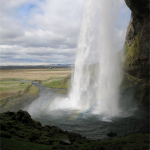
50, 67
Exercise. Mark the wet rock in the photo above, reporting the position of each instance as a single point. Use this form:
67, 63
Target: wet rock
1, 117
137, 60
3, 125
10, 113
111, 134
73, 135
65, 142
9, 123
23, 117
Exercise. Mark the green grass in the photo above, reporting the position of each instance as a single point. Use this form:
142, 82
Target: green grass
12, 88
131, 142
22, 145
62, 91
53, 84
60, 83
13, 85
15, 92
33, 90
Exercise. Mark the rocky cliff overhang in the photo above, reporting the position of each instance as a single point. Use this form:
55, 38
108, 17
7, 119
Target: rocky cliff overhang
139, 8
137, 61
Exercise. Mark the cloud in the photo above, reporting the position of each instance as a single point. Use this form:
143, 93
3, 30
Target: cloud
40, 30
25, 55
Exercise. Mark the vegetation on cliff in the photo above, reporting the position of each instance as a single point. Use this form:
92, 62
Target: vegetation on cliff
138, 39
137, 50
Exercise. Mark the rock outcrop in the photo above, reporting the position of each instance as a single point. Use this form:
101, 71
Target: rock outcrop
137, 61
20, 126
19, 131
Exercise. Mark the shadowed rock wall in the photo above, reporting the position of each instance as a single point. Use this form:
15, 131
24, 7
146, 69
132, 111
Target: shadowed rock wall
137, 61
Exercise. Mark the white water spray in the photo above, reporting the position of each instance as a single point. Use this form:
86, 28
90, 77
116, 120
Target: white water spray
97, 74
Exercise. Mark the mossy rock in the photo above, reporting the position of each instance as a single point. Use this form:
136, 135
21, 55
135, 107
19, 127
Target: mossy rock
5, 134
3, 125
142, 94
132, 57
111, 134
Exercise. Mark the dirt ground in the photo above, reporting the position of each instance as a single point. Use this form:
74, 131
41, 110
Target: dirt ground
34, 74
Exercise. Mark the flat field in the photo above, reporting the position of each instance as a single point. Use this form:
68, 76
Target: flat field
34, 74
11, 88
48, 77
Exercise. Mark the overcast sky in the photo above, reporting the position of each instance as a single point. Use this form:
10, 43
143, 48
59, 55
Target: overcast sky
40, 31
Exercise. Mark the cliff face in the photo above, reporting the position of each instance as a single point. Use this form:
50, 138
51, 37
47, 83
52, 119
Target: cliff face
137, 61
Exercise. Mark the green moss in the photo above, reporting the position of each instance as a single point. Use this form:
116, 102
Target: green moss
133, 52
139, 88
129, 80
5, 134
126, 49
142, 94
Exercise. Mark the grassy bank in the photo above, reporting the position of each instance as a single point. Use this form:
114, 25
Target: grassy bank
14, 93
12, 88
61, 85
58, 83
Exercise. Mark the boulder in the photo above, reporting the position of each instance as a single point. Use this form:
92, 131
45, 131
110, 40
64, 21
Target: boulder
65, 142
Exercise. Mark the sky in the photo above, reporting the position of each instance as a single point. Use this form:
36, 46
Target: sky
34, 32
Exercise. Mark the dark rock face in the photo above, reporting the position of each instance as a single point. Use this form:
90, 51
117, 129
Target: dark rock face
137, 61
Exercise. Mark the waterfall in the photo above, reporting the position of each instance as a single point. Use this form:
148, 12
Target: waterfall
97, 74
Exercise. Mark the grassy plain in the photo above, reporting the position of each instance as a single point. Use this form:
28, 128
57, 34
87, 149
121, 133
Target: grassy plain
58, 83
35, 74
12, 89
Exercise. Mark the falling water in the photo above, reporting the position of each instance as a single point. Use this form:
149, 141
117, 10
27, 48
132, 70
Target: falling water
97, 73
